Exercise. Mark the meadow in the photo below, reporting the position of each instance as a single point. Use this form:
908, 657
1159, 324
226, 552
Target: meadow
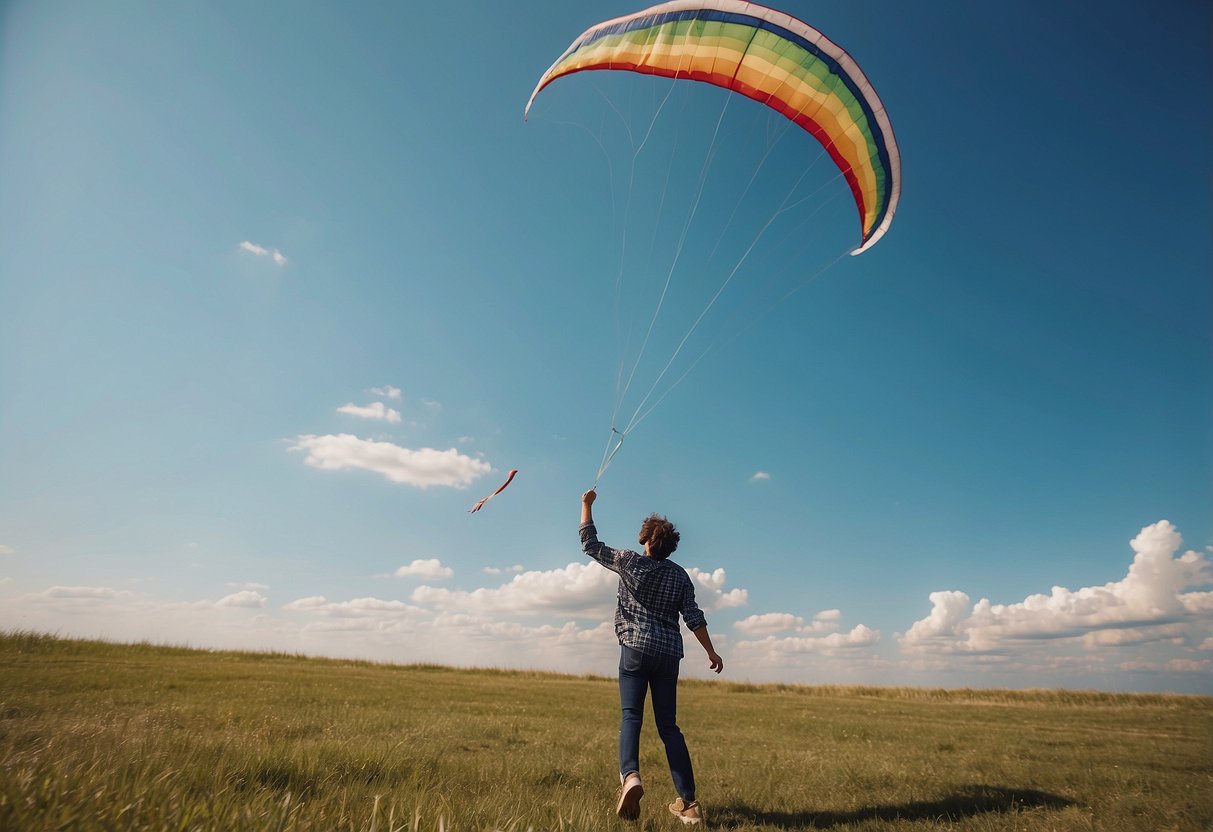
101, 736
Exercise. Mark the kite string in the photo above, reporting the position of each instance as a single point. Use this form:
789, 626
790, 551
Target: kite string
640, 412
732, 273
621, 344
703, 176
722, 341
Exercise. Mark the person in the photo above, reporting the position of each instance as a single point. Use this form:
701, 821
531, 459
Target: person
653, 593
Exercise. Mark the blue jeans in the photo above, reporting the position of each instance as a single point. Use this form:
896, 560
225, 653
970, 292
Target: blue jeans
638, 673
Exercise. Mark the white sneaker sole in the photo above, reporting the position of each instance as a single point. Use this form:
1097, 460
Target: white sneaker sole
629, 801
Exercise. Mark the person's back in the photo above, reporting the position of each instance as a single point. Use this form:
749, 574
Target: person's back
653, 593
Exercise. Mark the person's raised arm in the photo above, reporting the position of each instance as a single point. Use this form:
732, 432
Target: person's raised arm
590, 543
587, 500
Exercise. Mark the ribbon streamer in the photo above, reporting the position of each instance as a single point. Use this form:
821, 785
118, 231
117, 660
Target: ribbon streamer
480, 504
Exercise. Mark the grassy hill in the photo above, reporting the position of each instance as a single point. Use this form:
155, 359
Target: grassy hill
104, 736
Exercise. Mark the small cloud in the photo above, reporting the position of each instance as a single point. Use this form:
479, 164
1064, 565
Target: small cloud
7, 550
375, 410
431, 404
261, 251
759, 476
387, 391
516, 569
1190, 665
431, 568
5, 581
246, 585
79, 592
769, 623
246, 599
312, 602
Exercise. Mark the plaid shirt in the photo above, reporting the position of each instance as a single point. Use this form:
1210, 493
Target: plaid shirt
652, 594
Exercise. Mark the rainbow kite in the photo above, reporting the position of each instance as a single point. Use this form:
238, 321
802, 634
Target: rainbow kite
772, 58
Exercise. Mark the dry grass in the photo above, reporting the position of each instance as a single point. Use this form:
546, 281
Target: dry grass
105, 736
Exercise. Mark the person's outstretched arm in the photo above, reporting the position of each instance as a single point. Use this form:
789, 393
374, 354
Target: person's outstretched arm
717, 663
590, 543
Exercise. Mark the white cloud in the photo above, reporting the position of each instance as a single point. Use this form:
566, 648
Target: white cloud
246, 599
430, 568
82, 593
311, 602
423, 468
497, 570
356, 608
387, 391
103, 612
771, 623
261, 251
858, 637
5, 581
1151, 595
7, 550
1197, 603
713, 596
760, 476
246, 585
581, 590
1135, 636
374, 410
1189, 665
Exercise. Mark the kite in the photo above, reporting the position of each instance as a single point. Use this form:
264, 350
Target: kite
772, 58
480, 503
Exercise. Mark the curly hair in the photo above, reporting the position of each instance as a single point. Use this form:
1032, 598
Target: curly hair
661, 536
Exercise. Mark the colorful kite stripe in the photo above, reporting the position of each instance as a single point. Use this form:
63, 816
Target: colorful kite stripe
769, 57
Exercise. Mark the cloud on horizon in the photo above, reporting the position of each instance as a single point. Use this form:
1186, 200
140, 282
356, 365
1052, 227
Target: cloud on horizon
1154, 601
1151, 630
245, 599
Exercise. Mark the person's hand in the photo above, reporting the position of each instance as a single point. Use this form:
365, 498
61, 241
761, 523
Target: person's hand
587, 499
717, 663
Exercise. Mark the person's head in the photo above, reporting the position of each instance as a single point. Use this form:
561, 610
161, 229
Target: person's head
660, 536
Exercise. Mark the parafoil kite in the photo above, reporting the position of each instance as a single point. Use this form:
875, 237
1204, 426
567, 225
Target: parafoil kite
772, 58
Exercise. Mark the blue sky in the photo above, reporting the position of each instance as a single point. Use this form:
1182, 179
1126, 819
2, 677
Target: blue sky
286, 288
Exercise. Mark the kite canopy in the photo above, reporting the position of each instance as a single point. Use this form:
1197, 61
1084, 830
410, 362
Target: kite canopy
772, 58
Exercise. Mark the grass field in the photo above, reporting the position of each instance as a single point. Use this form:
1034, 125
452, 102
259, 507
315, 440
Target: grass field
103, 736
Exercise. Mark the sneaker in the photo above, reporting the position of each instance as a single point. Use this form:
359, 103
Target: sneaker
686, 812
630, 793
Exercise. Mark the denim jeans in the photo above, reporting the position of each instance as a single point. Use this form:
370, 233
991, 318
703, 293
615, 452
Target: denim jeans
639, 673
